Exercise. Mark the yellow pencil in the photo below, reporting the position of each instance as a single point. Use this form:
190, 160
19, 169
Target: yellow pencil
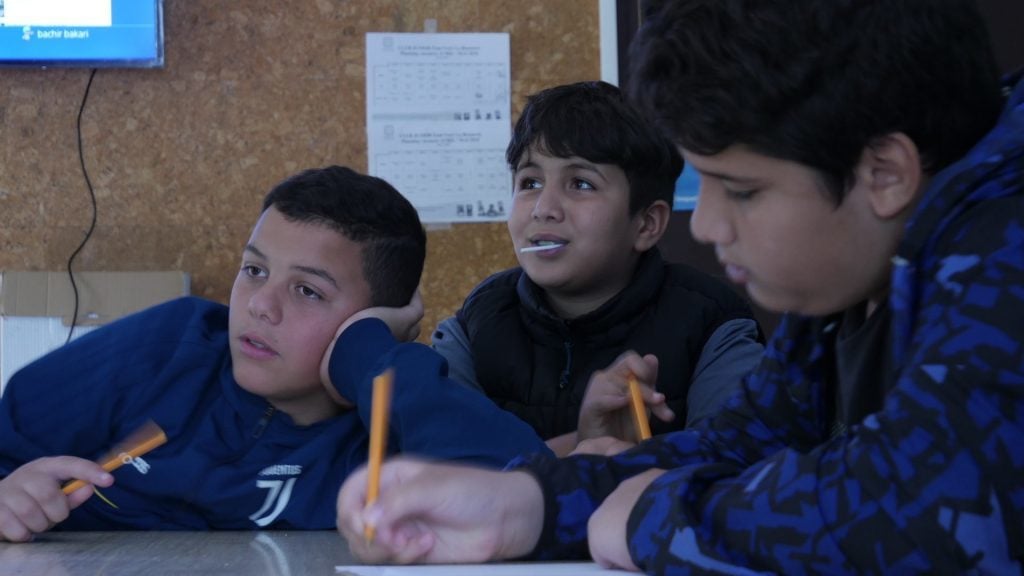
379, 412
146, 438
643, 427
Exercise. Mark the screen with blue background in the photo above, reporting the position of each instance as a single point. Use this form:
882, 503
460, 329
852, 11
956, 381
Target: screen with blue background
686, 190
81, 32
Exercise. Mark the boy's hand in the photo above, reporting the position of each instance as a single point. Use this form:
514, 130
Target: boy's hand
605, 410
403, 322
603, 446
441, 513
606, 529
31, 499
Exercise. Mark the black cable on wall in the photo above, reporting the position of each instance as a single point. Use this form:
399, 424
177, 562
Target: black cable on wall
92, 198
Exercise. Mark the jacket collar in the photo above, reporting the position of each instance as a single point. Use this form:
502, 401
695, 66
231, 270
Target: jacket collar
613, 317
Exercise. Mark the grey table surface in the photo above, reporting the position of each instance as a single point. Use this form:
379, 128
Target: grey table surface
289, 553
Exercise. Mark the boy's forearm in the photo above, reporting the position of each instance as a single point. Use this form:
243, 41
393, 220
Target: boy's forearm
854, 504
721, 517
359, 354
431, 415
574, 487
524, 517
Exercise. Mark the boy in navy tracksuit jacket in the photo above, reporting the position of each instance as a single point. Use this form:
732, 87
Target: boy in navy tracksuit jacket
256, 399
861, 169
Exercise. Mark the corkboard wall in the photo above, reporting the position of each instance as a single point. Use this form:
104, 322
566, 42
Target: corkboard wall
251, 92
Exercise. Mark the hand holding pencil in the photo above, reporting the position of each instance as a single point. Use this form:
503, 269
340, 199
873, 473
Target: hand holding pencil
145, 438
34, 489
615, 407
433, 512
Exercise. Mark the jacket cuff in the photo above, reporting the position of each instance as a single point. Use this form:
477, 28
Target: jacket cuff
358, 353
563, 537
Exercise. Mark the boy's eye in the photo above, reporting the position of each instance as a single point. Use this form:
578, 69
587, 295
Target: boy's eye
307, 292
528, 184
581, 184
740, 195
253, 271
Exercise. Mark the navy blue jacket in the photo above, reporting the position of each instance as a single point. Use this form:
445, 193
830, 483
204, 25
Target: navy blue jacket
231, 460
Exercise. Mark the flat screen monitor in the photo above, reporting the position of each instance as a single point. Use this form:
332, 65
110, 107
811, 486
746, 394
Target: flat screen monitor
88, 33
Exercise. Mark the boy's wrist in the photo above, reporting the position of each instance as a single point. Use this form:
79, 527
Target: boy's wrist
356, 353
523, 515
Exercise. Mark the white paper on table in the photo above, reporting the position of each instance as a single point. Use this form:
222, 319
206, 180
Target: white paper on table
437, 121
496, 569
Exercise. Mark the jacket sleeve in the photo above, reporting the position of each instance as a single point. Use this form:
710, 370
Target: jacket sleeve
430, 415
83, 397
47, 404
63, 403
732, 351
932, 483
451, 341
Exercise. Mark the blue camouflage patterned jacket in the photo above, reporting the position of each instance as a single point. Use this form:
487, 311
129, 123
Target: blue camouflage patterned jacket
931, 483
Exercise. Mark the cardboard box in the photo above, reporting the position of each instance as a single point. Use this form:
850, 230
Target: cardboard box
36, 307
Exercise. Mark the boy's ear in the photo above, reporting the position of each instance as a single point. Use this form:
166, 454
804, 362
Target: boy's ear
653, 222
891, 169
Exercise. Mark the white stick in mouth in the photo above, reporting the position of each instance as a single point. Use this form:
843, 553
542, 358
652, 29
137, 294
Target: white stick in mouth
540, 248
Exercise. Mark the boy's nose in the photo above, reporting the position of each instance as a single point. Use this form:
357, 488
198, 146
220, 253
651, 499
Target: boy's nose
708, 222
548, 206
263, 305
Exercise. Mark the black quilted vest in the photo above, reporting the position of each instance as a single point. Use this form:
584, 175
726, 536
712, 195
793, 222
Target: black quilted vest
536, 365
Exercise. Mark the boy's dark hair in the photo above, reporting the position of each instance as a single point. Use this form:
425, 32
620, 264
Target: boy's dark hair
593, 121
817, 81
369, 212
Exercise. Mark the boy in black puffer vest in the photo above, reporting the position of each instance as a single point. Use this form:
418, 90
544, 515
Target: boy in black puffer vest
592, 196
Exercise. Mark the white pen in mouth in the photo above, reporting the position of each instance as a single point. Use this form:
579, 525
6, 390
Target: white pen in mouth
541, 247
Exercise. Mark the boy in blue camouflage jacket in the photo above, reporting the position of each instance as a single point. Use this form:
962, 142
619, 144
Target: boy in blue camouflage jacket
863, 171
